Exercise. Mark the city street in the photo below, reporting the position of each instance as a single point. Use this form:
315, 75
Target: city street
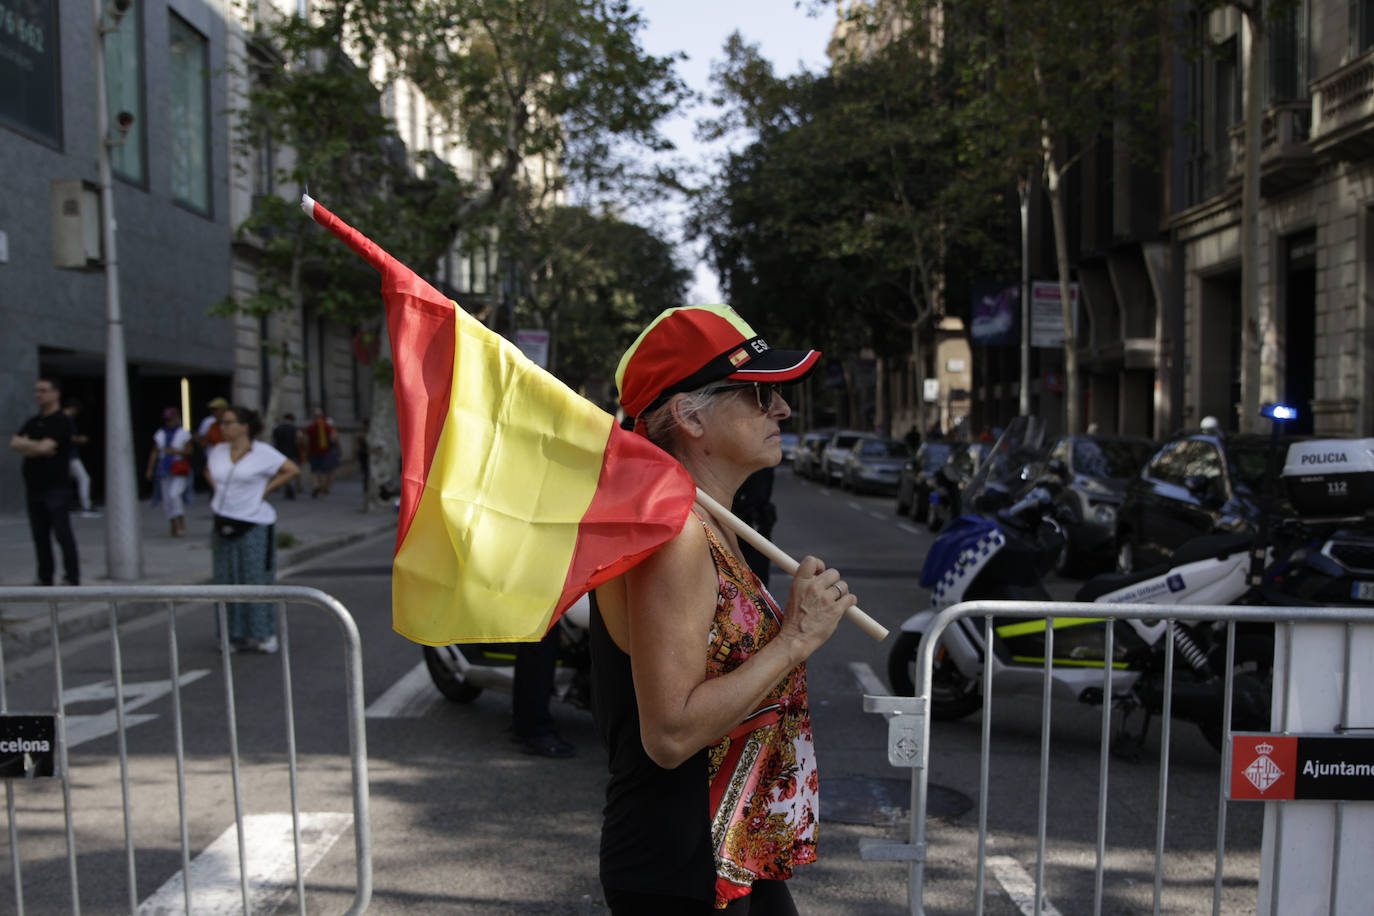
463, 822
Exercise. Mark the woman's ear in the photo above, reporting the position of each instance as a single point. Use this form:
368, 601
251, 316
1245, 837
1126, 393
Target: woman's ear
685, 419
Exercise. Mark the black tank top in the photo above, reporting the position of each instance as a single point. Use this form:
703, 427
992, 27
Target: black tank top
655, 829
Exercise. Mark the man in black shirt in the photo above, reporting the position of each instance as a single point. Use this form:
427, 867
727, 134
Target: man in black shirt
45, 441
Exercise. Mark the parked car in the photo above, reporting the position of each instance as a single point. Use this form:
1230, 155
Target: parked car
835, 451
917, 478
946, 496
806, 460
789, 445
1088, 476
873, 465
1196, 483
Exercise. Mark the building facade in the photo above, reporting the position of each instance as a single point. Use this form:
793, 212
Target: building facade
165, 66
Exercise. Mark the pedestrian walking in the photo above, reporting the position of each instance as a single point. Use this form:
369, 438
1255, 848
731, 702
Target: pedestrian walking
698, 676
78, 470
286, 439
169, 468
45, 442
242, 472
322, 444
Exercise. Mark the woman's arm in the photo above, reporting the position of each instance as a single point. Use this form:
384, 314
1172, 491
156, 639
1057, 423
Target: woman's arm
152, 459
288, 471
672, 600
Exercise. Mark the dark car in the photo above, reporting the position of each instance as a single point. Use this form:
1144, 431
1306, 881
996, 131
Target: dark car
1196, 483
917, 478
1088, 476
946, 500
873, 464
807, 456
834, 452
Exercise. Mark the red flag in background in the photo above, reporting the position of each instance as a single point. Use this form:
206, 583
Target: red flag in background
518, 495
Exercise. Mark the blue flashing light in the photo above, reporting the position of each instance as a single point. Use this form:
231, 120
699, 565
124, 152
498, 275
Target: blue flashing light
1279, 412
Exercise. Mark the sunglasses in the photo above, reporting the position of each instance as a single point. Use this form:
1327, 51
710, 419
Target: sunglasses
764, 392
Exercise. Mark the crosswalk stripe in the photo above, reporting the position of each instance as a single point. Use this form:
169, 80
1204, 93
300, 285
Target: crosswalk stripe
409, 698
1018, 885
270, 855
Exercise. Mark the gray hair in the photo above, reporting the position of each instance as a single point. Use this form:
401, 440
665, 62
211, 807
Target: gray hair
660, 426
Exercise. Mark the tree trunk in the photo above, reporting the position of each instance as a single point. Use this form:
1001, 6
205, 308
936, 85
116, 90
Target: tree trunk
383, 435
1053, 186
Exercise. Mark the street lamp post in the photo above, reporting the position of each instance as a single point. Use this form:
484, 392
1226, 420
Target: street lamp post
123, 547
1023, 187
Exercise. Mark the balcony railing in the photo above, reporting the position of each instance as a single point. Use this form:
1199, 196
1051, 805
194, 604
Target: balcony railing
1343, 110
1286, 158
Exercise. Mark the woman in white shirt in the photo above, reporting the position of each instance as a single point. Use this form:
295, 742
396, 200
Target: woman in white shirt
242, 471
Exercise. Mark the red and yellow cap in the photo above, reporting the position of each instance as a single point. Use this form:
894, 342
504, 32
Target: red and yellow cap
685, 348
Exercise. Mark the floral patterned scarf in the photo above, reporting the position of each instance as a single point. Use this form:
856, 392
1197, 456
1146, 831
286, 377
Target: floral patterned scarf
764, 783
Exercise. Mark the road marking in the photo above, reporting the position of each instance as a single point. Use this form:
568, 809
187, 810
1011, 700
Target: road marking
270, 855
854, 505
1018, 885
409, 698
869, 684
83, 728
907, 526
880, 516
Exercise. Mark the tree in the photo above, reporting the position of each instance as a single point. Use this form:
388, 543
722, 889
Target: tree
1044, 81
307, 97
853, 211
596, 281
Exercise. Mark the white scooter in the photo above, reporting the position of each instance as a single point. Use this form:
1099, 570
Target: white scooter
462, 671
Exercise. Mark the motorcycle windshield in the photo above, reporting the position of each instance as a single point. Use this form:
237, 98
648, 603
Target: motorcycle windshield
1005, 467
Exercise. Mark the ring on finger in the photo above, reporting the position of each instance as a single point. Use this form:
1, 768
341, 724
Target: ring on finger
840, 589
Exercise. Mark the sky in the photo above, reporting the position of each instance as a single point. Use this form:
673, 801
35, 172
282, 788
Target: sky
785, 34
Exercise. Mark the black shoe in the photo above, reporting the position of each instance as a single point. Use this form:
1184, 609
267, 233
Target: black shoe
547, 745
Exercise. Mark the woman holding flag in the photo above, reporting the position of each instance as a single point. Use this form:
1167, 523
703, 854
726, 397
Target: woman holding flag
699, 677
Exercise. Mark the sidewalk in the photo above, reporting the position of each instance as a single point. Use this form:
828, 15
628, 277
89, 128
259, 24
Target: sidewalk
310, 527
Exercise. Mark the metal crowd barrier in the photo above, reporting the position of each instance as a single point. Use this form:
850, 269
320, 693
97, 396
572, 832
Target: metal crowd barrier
171, 597
909, 730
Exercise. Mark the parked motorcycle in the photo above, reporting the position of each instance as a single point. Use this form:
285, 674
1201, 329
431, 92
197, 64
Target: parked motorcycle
1004, 550
462, 671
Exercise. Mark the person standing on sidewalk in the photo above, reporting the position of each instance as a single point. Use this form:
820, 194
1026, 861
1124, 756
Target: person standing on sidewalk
286, 438
169, 467
242, 472
323, 444
78, 470
45, 441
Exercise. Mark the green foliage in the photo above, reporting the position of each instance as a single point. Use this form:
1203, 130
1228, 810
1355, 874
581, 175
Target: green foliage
856, 211
597, 281
320, 117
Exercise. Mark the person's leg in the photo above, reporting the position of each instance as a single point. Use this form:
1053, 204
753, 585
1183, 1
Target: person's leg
624, 903
59, 503
532, 721
766, 898
83, 484
172, 498
41, 530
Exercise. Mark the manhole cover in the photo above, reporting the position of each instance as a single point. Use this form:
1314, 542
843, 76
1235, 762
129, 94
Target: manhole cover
882, 802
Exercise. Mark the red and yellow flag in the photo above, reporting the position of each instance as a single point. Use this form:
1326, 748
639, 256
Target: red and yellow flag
518, 495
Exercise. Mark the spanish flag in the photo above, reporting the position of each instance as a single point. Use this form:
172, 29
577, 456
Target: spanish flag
518, 496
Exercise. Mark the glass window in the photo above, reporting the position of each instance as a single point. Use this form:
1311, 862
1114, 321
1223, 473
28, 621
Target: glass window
30, 70
124, 91
1361, 26
1168, 465
188, 63
934, 454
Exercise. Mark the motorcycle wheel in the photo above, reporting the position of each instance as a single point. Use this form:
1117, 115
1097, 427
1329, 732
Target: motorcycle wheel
952, 696
447, 677
1254, 676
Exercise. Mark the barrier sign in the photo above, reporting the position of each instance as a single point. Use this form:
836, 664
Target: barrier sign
1301, 768
28, 746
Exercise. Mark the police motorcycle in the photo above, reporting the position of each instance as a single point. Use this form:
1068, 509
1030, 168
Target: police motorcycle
1003, 550
463, 670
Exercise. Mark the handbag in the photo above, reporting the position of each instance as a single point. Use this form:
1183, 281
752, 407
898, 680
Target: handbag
179, 468
232, 528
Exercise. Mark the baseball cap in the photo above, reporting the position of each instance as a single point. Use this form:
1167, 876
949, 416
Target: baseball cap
685, 348
218, 402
